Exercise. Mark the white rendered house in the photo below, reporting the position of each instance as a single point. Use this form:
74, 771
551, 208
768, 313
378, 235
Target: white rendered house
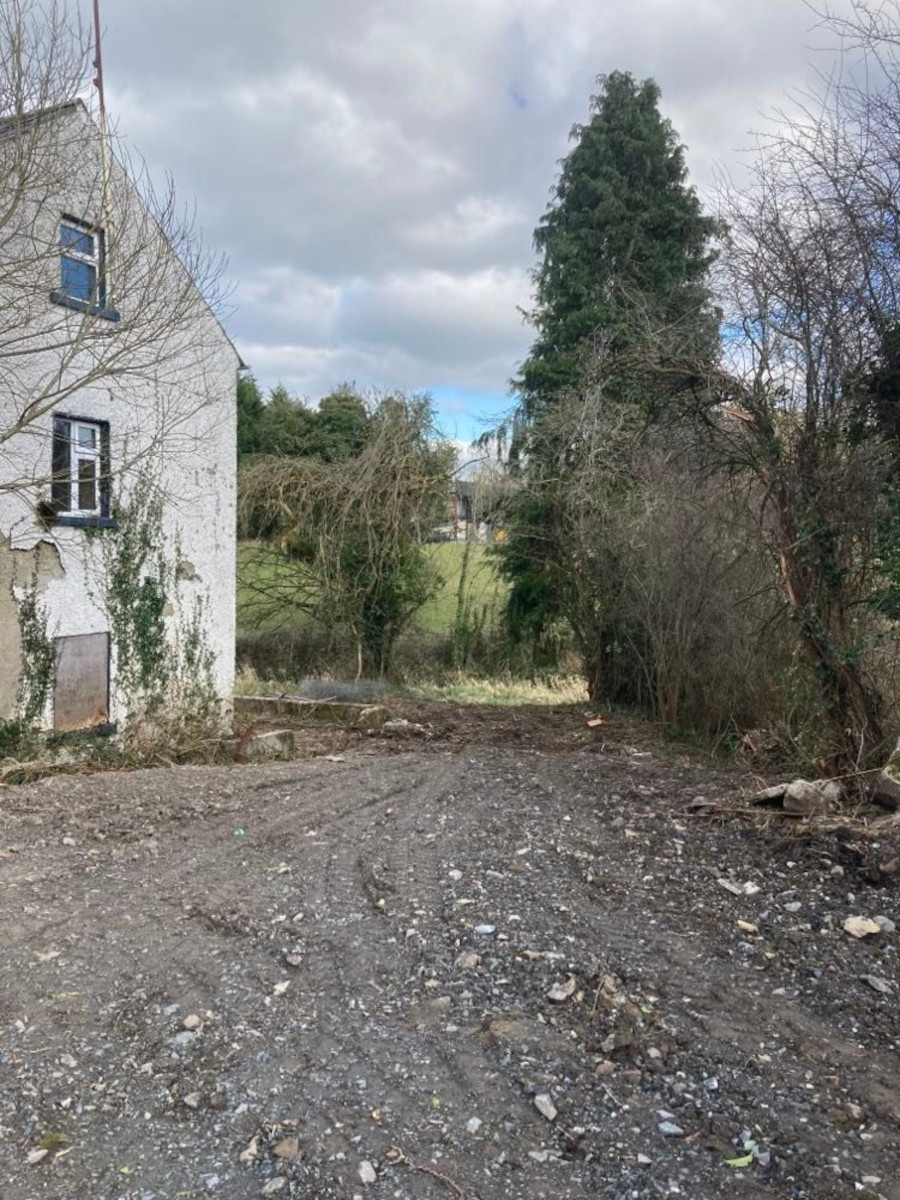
117, 437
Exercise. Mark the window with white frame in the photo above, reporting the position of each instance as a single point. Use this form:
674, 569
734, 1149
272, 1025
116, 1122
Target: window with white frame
80, 468
82, 267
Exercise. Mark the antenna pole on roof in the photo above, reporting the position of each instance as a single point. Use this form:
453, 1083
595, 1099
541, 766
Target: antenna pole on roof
98, 67
104, 126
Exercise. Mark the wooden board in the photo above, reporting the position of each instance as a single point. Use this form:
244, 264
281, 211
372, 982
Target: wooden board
81, 682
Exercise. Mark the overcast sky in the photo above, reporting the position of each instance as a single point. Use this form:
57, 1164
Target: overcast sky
374, 168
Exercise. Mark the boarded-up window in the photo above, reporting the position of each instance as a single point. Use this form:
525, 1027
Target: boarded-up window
81, 682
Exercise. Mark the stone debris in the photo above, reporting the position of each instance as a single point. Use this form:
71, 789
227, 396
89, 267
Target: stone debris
468, 961
801, 797
624, 1024
739, 889
877, 984
252, 1152
670, 1129
562, 991
861, 927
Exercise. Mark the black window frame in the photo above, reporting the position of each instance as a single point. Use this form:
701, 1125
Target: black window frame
61, 296
61, 475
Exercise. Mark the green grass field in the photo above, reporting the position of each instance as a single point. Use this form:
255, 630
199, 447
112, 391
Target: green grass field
483, 586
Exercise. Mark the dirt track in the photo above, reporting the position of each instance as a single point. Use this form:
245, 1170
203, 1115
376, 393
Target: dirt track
135, 902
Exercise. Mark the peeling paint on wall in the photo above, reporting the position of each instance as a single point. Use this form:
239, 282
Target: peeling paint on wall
18, 568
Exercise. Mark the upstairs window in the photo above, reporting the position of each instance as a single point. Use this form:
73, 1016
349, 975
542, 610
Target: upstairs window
80, 480
82, 269
81, 263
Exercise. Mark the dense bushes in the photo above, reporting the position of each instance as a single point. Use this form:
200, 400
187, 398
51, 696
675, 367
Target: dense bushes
345, 537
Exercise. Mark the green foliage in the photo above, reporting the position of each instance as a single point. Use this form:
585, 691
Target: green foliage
136, 581
285, 425
14, 736
875, 415
37, 658
624, 236
250, 410
164, 674
622, 222
467, 640
347, 532
335, 430
341, 426
525, 559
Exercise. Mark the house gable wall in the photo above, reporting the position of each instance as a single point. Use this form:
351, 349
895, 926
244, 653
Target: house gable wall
174, 418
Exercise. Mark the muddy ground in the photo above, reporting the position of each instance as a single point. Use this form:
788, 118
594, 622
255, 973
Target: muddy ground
332, 977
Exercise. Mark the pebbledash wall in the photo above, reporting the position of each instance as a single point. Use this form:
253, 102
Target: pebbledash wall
171, 413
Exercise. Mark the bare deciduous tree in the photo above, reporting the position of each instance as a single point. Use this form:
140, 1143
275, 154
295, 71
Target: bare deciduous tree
809, 284
345, 538
147, 332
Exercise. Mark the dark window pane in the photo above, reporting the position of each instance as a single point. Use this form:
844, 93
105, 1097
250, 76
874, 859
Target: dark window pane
61, 487
87, 436
78, 280
87, 485
71, 238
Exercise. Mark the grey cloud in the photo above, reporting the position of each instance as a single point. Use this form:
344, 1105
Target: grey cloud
375, 169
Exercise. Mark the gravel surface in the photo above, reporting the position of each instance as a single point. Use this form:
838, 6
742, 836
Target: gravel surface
524, 964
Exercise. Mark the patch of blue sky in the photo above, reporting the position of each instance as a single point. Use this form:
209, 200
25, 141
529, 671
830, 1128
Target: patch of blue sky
466, 413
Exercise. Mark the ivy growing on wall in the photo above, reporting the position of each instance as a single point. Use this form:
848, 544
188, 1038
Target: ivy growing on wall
36, 662
136, 581
37, 658
157, 667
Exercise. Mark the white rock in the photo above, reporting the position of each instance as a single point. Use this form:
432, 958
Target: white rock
543, 1156
545, 1106
670, 1129
804, 798
860, 927
192, 1022
562, 991
367, 1172
473, 1124
251, 1153
877, 984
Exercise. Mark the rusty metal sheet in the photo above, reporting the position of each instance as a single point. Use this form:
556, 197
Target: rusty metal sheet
81, 682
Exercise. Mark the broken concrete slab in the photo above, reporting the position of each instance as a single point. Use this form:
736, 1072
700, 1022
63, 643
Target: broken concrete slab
801, 797
314, 712
272, 743
805, 798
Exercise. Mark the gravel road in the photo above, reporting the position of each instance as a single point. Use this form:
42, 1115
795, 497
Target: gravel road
446, 969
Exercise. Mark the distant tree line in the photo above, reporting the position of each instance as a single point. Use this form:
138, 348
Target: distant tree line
335, 430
